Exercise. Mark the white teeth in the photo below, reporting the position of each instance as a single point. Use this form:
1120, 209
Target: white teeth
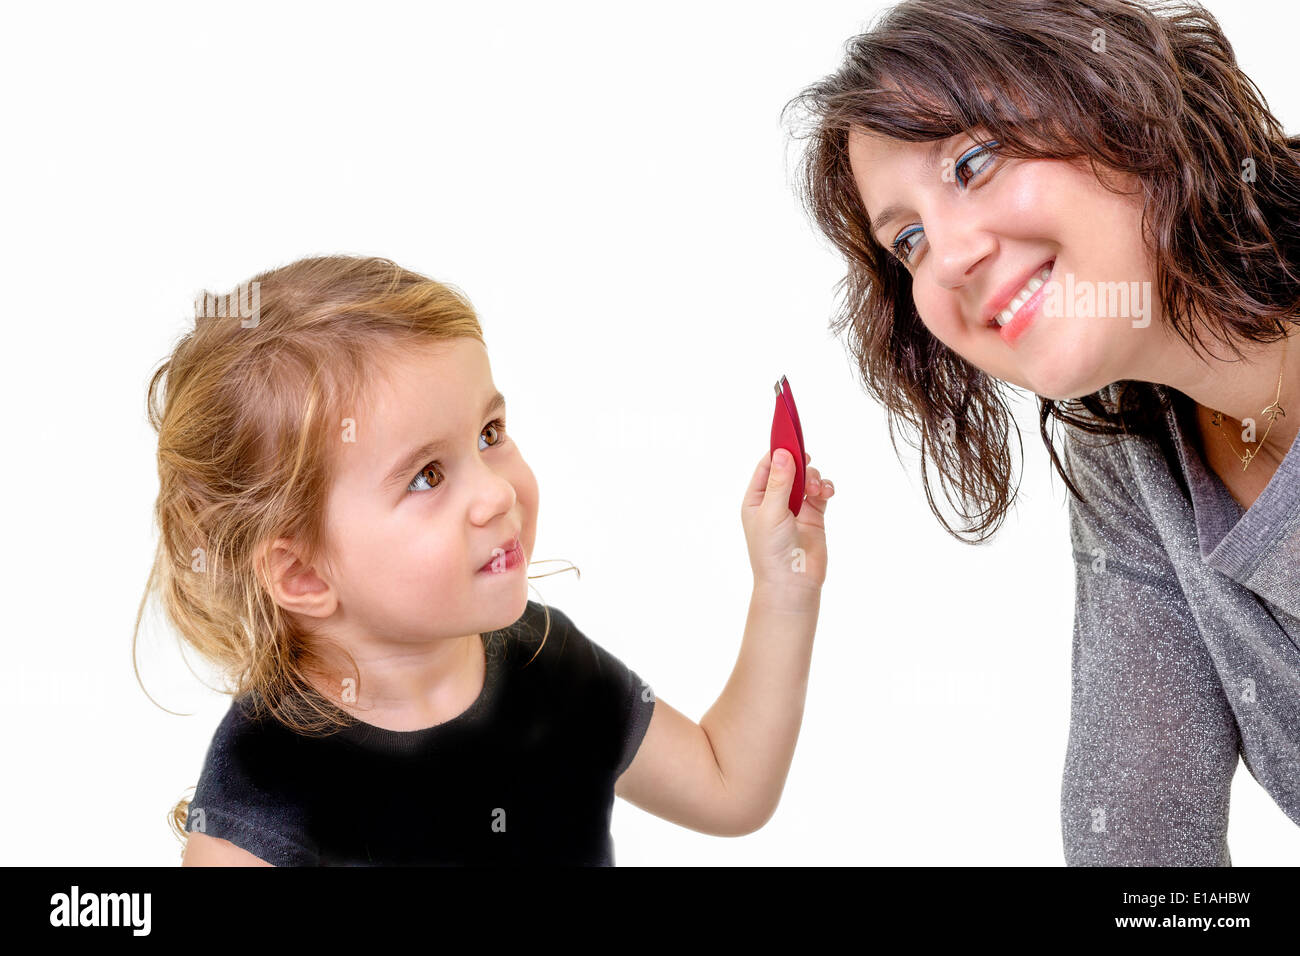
1023, 295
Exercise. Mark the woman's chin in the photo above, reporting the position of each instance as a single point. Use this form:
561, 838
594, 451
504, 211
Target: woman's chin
1064, 373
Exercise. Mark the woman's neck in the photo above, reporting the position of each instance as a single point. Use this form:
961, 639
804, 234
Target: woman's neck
1244, 484
1259, 413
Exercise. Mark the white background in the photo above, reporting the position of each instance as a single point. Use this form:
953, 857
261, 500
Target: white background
611, 186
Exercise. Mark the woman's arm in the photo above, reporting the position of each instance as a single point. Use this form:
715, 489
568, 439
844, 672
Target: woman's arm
1153, 742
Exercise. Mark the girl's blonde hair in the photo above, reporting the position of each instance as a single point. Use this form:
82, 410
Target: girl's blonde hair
255, 401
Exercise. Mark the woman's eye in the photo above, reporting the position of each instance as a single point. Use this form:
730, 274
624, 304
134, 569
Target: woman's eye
421, 483
983, 152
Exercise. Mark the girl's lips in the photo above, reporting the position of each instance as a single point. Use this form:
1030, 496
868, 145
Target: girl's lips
507, 560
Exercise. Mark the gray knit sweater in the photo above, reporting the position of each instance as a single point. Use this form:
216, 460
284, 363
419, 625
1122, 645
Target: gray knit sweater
1186, 648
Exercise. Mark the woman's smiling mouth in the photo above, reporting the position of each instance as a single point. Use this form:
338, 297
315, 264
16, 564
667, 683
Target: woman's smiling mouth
1003, 308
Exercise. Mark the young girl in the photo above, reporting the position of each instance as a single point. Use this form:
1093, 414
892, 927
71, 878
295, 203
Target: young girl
344, 522
1077, 199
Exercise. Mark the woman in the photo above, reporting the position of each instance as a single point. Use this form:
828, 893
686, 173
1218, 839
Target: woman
966, 151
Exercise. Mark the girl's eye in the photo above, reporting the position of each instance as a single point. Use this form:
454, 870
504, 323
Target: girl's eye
984, 151
420, 483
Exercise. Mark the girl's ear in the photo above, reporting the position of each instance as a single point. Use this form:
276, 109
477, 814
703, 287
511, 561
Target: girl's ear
293, 585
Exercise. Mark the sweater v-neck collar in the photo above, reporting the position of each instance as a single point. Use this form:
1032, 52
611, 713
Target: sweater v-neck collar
1258, 547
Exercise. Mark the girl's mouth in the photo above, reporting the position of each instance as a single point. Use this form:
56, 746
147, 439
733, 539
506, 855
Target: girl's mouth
504, 561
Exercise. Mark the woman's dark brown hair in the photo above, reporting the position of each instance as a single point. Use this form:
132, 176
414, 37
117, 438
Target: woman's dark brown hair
1150, 90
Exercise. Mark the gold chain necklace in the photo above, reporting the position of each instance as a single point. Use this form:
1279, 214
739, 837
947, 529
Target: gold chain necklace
1272, 412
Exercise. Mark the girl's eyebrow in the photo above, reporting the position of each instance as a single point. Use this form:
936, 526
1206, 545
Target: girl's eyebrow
896, 210
418, 456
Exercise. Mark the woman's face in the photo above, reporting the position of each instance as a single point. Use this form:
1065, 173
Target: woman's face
408, 532
988, 228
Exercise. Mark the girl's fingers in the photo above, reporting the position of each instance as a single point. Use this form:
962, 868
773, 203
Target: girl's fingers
758, 481
817, 485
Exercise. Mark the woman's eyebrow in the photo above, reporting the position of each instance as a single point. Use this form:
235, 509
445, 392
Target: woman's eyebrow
418, 456
896, 210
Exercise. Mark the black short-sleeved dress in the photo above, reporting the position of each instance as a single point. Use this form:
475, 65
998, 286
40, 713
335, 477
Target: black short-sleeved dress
525, 775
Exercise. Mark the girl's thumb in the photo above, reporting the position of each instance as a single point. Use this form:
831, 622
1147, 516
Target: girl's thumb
782, 467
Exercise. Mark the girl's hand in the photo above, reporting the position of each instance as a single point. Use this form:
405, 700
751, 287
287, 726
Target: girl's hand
787, 553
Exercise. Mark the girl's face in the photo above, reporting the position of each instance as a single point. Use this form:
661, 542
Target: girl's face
993, 225
409, 525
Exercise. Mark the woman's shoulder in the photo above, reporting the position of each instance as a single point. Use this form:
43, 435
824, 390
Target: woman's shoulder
1146, 442
1132, 489
1125, 478
1094, 454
